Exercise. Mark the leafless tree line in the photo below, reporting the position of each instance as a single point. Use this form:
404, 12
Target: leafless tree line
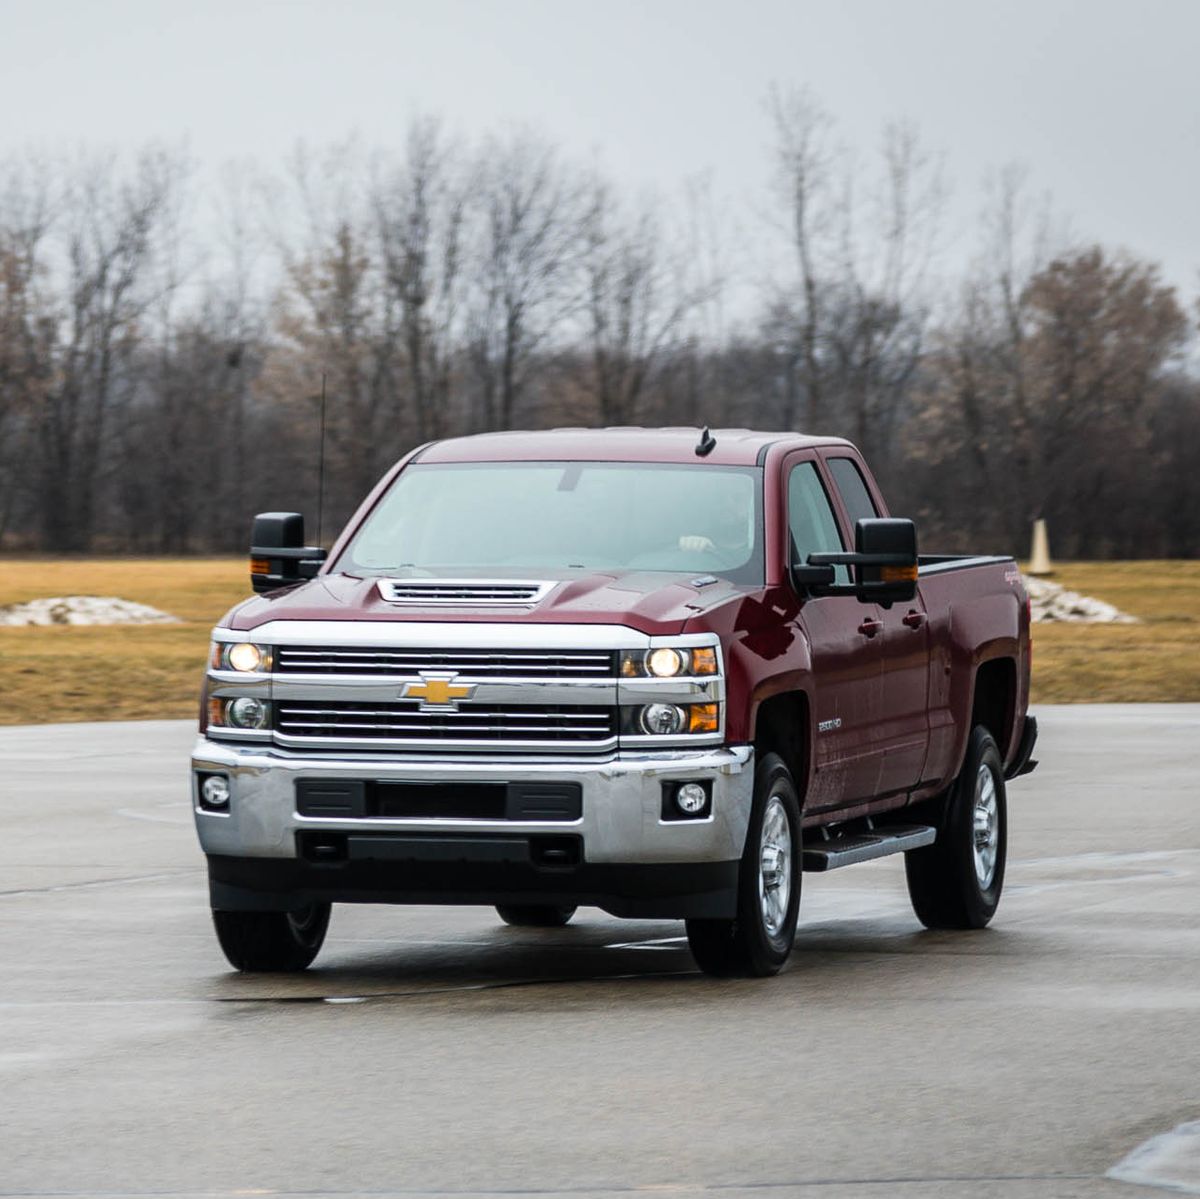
161, 370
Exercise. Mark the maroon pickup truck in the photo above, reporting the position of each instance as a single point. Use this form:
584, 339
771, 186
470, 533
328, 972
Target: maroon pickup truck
656, 671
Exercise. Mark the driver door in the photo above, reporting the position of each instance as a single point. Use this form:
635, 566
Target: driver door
846, 653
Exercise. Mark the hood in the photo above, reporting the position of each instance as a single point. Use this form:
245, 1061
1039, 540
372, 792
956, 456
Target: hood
654, 603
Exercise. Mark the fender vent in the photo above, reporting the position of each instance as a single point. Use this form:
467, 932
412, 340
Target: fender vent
464, 592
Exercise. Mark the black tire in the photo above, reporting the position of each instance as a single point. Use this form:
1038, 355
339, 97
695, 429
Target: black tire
272, 942
944, 881
534, 915
747, 946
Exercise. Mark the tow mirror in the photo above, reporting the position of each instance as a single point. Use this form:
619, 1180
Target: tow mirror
884, 563
278, 556
887, 569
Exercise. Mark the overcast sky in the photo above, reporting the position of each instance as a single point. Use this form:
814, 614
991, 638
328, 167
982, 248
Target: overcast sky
1099, 98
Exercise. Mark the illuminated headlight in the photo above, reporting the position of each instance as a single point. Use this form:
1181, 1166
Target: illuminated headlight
245, 712
242, 656
668, 662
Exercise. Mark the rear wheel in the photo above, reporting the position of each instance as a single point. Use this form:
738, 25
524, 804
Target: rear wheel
534, 915
758, 940
277, 942
956, 881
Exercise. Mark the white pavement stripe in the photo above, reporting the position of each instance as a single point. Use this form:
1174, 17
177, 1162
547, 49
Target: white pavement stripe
1170, 1161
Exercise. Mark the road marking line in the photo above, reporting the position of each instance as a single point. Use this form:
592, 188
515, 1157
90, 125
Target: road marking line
659, 943
1169, 1161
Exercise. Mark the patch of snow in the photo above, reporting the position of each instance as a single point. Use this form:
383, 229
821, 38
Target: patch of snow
1052, 601
83, 609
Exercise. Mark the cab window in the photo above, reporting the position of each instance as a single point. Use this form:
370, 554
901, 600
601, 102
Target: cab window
810, 518
852, 487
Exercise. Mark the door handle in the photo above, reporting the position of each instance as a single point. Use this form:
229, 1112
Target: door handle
914, 619
869, 628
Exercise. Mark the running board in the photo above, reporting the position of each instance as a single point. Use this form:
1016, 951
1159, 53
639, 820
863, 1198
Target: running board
850, 848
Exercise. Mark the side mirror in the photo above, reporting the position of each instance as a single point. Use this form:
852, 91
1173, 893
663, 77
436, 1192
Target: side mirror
884, 563
278, 556
887, 570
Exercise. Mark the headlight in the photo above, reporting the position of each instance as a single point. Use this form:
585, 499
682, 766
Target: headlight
668, 662
665, 663
247, 713
662, 720
670, 720
242, 656
244, 712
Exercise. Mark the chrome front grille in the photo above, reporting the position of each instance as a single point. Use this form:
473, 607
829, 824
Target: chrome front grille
518, 724
471, 664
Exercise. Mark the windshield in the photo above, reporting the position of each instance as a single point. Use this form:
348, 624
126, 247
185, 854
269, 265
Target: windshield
561, 516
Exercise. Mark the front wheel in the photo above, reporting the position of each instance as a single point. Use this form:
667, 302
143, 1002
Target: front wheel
272, 942
956, 881
758, 940
534, 915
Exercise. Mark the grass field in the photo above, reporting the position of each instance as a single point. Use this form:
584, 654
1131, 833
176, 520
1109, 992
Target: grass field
153, 671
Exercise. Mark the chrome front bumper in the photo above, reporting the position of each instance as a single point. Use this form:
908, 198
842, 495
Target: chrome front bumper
622, 801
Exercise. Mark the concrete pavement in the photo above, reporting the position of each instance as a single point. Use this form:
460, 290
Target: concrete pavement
435, 1051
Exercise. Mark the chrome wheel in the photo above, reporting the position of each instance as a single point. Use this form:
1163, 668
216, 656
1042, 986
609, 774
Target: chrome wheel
775, 867
986, 827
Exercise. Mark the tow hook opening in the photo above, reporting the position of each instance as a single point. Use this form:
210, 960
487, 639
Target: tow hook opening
323, 848
556, 853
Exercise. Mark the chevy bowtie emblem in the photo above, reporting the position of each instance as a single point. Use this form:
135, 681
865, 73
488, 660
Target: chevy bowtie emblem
437, 691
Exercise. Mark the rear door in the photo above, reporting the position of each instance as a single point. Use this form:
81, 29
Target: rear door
846, 651
902, 730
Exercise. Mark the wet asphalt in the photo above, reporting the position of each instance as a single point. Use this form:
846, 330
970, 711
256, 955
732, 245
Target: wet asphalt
436, 1051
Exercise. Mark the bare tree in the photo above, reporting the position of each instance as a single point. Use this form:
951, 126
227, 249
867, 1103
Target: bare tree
107, 227
421, 207
637, 296
155, 389
524, 269
851, 319
26, 327
337, 319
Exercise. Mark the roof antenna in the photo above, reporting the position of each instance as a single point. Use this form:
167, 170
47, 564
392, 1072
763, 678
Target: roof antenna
321, 468
707, 444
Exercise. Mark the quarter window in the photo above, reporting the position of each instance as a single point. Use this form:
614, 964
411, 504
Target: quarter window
853, 488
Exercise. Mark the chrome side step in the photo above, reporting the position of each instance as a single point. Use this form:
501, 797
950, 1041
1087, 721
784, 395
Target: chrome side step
849, 848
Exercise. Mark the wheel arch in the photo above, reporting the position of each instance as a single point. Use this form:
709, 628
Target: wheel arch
994, 702
782, 725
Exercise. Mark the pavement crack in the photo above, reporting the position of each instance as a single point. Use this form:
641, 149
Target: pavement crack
464, 988
98, 882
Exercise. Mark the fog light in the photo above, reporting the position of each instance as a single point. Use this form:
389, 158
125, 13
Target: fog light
215, 790
662, 720
247, 713
691, 798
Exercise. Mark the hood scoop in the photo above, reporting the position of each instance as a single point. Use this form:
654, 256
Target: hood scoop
464, 592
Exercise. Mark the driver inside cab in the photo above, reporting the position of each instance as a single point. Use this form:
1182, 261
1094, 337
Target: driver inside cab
727, 539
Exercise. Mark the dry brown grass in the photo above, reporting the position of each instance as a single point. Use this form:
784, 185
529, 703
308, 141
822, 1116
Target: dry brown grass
134, 672
1157, 660
153, 671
